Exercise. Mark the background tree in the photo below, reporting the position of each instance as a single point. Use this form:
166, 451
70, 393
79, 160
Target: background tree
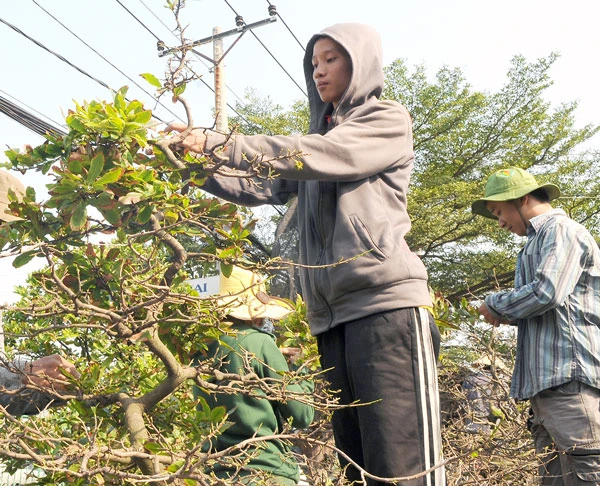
461, 137
122, 308
261, 116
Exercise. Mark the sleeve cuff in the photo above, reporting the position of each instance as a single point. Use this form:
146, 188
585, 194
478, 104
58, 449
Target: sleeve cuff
10, 380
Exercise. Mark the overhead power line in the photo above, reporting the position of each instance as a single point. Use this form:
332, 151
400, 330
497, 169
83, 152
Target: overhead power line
193, 51
21, 103
138, 20
39, 44
27, 119
287, 27
232, 108
62, 58
107, 61
271, 8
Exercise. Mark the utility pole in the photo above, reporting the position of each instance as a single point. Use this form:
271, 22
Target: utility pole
2, 350
220, 99
218, 55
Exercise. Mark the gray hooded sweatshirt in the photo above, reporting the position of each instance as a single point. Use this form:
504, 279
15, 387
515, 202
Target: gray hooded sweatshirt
351, 178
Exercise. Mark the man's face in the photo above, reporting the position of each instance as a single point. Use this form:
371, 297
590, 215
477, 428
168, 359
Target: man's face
509, 216
331, 70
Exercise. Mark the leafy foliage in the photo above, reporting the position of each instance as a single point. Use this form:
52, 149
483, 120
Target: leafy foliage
123, 228
113, 298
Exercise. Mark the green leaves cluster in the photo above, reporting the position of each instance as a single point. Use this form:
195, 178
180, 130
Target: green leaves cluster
113, 296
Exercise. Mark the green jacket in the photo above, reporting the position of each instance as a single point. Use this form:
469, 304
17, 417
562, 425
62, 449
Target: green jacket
257, 417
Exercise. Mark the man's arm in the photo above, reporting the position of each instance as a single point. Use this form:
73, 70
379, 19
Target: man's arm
560, 266
47, 372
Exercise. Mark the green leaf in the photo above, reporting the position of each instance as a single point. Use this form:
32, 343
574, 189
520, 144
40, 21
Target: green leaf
176, 465
153, 447
178, 91
112, 216
64, 187
105, 200
143, 117
75, 166
218, 414
75, 124
96, 167
23, 259
145, 214
120, 96
226, 270
112, 254
79, 216
111, 176
95, 371
153, 80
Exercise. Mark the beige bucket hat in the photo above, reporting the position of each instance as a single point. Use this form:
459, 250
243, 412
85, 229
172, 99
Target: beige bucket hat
8, 182
245, 296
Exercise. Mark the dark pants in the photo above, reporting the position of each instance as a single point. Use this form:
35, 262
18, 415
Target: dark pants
565, 425
388, 359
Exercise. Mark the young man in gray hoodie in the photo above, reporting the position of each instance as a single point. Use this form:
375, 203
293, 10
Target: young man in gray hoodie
351, 174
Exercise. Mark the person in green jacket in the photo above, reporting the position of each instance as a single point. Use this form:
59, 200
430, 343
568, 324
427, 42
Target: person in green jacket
251, 348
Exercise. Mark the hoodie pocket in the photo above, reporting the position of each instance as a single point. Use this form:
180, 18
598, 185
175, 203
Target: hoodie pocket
366, 238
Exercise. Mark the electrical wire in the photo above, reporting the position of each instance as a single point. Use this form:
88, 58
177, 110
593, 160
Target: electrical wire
32, 109
39, 44
28, 120
232, 108
209, 68
287, 27
269, 52
108, 62
62, 58
139, 21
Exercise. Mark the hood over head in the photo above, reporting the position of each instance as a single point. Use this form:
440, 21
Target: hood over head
363, 44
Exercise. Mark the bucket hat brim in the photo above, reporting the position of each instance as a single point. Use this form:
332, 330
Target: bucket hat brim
9, 184
507, 185
243, 295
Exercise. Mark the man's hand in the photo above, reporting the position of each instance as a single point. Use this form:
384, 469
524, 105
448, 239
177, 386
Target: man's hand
195, 141
291, 354
484, 310
49, 372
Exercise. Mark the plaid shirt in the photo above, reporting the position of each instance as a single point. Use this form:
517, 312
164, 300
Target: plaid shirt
556, 306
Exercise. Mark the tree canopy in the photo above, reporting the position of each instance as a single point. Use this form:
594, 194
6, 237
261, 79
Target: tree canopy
463, 136
120, 306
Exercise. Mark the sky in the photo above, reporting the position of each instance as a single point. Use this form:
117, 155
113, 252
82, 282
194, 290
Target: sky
114, 41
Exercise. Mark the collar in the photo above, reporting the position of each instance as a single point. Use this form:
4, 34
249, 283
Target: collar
538, 221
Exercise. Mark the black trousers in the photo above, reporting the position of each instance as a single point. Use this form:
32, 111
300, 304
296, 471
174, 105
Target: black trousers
386, 361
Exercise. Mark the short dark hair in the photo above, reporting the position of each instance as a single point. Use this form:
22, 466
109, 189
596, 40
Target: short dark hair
540, 194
